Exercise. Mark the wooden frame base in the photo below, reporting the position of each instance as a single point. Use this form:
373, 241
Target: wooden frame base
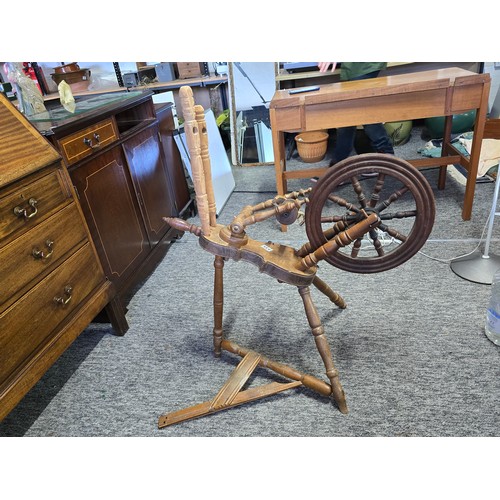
230, 394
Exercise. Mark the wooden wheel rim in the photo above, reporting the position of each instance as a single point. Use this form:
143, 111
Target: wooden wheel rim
354, 167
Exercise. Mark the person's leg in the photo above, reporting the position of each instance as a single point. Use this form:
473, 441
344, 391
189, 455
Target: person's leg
379, 138
344, 143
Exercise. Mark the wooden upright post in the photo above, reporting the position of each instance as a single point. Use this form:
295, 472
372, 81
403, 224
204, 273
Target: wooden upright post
191, 128
207, 168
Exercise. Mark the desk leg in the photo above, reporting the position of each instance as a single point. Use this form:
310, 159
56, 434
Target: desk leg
279, 158
475, 153
445, 151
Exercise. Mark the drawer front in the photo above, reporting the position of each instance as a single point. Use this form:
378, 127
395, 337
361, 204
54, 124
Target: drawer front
32, 321
28, 203
83, 143
38, 251
189, 69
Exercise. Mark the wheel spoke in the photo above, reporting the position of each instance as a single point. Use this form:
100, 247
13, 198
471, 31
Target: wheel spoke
394, 196
392, 232
399, 215
375, 197
359, 191
344, 203
339, 218
376, 242
355, 248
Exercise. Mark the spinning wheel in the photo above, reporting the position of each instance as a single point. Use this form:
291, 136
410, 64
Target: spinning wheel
298, 267
378, 184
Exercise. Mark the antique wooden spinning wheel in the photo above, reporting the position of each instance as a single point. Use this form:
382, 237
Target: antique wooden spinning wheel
349, 219
378, 184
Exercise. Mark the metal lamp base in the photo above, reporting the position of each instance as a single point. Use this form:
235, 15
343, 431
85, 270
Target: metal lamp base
476, 267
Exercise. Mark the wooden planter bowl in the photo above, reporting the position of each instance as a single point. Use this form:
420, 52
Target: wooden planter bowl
312, 146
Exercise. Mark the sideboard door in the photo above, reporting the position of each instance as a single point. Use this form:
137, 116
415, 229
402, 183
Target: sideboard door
110, 206
151, 180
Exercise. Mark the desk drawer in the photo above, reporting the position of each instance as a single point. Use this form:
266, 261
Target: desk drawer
28, 203
28, 325
85, 142
38, 251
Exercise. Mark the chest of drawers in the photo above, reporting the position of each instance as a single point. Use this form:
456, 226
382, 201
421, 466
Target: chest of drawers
53, 284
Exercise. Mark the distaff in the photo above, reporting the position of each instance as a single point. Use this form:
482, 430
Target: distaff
205, 157
191, 128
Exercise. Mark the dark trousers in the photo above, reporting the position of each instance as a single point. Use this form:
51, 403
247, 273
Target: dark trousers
380, 141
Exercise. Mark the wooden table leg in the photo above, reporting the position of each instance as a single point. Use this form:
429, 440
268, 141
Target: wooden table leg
279, 158
445, 150
475, 153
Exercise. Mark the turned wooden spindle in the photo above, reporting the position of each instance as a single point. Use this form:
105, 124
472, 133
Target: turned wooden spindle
242, 222
307, 247
326, 290
191, 128
183, 225
340, 240
207, 168
218, 303
375, 196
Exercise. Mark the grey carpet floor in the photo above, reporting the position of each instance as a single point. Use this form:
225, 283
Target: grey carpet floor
410, 347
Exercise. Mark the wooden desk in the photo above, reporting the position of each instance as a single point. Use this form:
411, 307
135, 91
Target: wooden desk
424, 94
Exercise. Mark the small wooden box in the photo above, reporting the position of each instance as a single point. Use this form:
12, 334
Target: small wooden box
189, 69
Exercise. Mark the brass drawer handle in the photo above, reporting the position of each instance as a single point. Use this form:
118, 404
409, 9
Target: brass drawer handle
88, 142
23, 212
68, 290
39, 254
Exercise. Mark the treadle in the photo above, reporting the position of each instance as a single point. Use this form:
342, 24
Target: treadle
236, 381
230, 394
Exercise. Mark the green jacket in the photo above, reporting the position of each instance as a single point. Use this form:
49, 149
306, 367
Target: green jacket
350, 70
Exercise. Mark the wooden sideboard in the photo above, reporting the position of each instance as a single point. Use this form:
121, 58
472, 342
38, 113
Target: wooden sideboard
128, 175
53, 284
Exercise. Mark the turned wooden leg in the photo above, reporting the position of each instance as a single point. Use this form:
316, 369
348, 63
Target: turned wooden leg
218, 303
323, 347
325, 289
